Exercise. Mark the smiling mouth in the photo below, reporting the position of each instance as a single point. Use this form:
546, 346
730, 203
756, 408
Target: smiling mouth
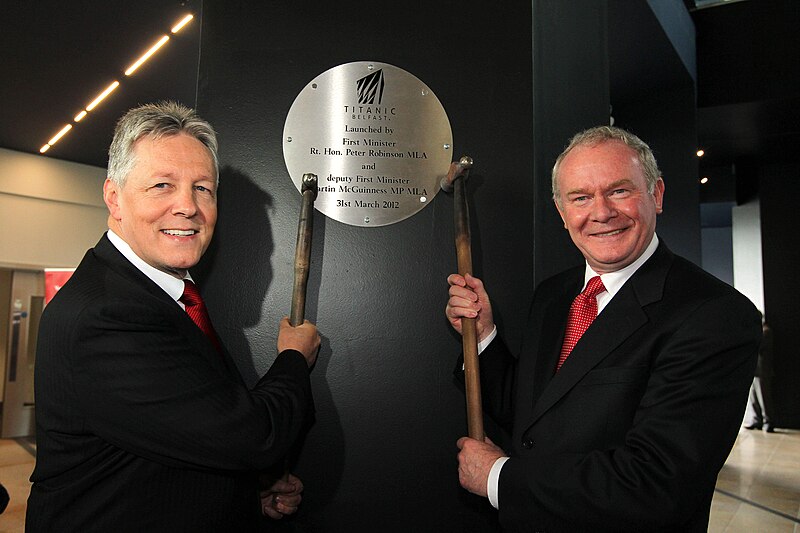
610, 233
179, 232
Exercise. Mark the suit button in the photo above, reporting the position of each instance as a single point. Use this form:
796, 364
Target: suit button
527, 444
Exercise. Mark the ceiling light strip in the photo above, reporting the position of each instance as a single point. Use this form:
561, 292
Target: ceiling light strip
55, 138
102, 96
175, 29
147, 55
184, 21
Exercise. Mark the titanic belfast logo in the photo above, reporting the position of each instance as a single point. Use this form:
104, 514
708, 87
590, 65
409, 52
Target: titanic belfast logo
370, 88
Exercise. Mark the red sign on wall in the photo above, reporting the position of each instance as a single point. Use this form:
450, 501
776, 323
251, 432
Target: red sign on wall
54, 279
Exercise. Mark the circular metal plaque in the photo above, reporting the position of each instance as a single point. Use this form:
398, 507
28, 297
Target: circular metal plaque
377, 138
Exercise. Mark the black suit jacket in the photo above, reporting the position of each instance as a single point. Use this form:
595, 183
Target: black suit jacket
141, 425
631, 433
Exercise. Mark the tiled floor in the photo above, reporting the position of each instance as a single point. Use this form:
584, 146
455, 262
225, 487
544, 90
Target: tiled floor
758, 490
759, 487
16, 465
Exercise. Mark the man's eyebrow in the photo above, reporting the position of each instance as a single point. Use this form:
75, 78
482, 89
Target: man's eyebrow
576, 191
623, 181
611, 186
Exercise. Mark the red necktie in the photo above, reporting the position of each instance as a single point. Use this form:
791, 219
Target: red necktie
582, 313
197, 311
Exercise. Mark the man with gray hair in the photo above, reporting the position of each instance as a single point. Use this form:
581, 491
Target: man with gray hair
628, 390
143, 422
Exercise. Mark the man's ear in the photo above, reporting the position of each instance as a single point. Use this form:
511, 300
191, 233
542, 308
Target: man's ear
560, 213
111, 197
658, 195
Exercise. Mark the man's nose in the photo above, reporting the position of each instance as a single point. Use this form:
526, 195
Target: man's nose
185, 202
603, 209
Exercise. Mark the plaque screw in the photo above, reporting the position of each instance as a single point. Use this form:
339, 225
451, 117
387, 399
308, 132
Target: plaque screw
313, 85
370, 66
446, 146
288, 139
423, 199
366, 220
424, 92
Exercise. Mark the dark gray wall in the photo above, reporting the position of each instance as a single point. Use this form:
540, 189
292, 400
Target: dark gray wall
571, 93
717, 256
382, 453
781, 257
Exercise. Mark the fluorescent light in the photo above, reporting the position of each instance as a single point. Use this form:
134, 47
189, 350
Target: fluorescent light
80, 116
44, 148
146, 55
701, 153
60, 134
102, 95
185, 20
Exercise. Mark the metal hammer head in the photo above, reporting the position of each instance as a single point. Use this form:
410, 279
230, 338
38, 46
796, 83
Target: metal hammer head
309, 184
456, 171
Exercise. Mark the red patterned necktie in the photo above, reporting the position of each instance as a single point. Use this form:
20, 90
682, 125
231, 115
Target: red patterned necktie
197, 311
582, 313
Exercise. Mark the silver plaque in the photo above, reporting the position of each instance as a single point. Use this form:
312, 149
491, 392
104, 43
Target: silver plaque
377, 138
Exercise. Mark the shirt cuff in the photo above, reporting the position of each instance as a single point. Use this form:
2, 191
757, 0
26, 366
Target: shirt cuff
489, 338
493, 483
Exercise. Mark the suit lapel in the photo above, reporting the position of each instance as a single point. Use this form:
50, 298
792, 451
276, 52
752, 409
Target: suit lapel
618, 321
113, 259
553, 326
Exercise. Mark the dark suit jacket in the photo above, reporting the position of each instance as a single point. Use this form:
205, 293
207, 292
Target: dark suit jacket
141, 425
631, 433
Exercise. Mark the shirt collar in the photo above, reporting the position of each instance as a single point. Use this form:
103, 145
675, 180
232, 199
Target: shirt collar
170, 284
613, 281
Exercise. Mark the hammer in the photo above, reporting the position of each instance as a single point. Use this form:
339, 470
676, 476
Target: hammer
302, 262
455, 181
302, 252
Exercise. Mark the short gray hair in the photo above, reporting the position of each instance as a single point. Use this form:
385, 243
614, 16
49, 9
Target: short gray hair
601, 134
157, 120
